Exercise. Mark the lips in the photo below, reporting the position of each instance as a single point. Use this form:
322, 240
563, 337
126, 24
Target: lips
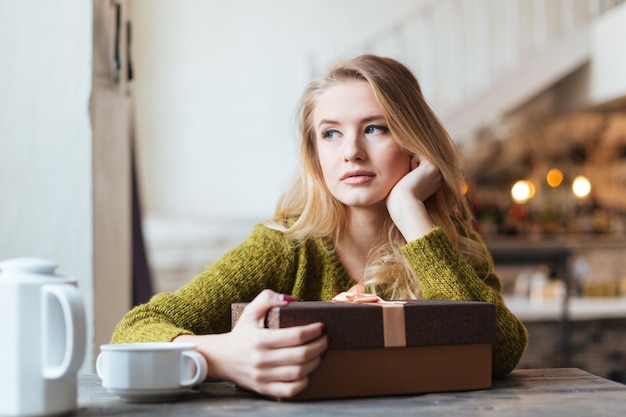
357, 177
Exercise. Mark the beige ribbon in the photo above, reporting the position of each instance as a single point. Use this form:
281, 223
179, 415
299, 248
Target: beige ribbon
393, 315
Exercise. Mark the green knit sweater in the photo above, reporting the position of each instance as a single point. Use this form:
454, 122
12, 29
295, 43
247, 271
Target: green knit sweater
312, 271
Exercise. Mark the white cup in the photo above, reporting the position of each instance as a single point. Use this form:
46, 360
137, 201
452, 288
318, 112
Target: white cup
149, 372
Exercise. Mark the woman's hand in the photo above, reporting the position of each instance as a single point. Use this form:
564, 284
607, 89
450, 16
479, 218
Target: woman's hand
405, 202
274, 362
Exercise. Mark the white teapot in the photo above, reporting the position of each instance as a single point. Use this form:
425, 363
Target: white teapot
43, 327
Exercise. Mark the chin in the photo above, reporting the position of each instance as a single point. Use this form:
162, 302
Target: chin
362, 199
364, 204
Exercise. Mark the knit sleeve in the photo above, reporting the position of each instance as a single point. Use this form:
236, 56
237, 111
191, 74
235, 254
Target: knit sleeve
445, 275
263, 260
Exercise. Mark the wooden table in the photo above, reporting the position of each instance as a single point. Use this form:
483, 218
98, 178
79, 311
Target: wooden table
539, 392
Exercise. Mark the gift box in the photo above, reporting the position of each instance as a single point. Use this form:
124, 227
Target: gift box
409, 347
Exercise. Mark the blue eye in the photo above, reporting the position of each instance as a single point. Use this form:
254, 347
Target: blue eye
330, 134
376, 129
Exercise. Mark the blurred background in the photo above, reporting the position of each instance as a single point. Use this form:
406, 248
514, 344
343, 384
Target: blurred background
142, 139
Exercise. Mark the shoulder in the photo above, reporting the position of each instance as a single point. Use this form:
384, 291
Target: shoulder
271, 237
264, 237
271, 253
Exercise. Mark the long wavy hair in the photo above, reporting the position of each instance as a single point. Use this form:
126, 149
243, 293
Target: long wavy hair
307, 208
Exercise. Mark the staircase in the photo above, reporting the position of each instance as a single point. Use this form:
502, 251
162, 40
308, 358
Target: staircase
479, 59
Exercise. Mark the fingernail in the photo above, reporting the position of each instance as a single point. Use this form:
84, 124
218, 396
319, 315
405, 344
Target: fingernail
324, 328
286, 297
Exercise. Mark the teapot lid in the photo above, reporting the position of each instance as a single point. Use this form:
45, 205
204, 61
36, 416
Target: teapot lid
34, 265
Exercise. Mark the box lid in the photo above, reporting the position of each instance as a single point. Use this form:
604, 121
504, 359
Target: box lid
426, 322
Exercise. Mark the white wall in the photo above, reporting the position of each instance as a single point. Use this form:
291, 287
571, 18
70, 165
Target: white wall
608, 65
45, 135
216, 87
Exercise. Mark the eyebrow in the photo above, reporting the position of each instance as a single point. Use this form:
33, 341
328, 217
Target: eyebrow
368, 119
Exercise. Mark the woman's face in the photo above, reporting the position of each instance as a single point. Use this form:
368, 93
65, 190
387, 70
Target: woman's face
360, 160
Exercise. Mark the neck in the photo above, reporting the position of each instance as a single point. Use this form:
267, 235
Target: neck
363, 230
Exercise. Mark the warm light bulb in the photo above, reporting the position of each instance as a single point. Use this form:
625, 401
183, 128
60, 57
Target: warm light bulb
581, 187
464, 187
554, 178
522, 191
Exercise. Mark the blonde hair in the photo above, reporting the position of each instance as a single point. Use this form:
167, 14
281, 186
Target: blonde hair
307, 208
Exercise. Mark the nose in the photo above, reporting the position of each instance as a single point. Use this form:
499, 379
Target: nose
353, 149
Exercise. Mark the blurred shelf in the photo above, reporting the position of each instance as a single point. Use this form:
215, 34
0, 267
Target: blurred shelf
579, 309
510, 246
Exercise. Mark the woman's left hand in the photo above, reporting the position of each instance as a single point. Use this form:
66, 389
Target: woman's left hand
405, 202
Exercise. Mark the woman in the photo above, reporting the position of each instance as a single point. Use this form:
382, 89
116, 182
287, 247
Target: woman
377, 207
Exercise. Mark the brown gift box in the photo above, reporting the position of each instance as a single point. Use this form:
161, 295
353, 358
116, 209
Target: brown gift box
442, 346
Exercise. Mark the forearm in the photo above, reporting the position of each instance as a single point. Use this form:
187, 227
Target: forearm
202, 306
412, 219
211, 347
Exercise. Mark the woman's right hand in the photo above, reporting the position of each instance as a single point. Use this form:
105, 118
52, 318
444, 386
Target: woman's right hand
273, 362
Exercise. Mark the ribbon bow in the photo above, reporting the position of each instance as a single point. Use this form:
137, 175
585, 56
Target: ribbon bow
361, 298
356, 298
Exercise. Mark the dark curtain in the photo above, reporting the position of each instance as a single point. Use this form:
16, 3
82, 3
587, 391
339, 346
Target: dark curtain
142, 282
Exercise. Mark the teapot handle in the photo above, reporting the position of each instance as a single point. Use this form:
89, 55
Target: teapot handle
64, 330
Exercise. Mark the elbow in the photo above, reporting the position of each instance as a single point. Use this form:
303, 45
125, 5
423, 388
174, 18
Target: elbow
508, 351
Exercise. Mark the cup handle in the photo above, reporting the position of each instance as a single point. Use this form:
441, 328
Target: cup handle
72, 351
100, 366
200, 365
